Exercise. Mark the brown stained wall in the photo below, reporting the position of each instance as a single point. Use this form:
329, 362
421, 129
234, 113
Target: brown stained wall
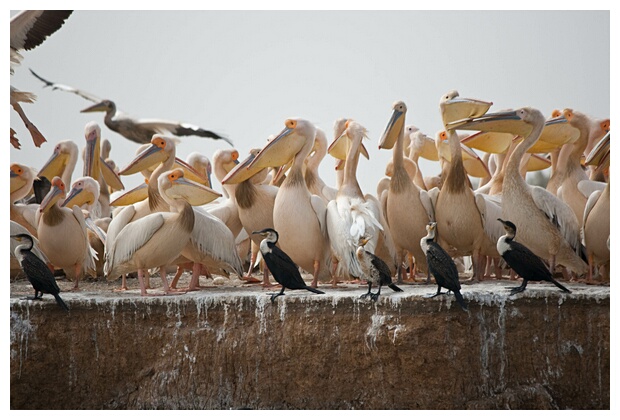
317, 352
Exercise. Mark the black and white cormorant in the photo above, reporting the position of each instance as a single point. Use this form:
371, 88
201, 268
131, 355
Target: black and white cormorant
281, 266
523, 261
37, 272
374, 271
441, 265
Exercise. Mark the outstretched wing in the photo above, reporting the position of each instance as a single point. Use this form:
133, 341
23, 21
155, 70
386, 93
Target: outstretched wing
65, 88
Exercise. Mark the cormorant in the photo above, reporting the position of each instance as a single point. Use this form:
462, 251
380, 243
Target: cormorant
37, 272
374, 271
282, 267
441, 265
523, 261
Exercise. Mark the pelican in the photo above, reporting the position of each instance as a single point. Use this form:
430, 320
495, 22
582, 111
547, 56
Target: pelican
456, 213
408, 208
298, 216
29, 28
596, 220
137, 130
314, 182
157, 239
546, 224
62, 235
61, 163
255, 203
352, 215
22, 178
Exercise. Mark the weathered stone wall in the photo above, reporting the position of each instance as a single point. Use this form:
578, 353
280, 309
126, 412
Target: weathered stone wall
219, 350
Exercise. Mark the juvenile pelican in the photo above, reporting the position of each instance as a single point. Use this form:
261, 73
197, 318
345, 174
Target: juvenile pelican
29, 28
298, 216
408, 208
62, 235
546, 224
155, 240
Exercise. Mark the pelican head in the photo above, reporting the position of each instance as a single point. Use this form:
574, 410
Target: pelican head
509, 227
103, 106
283, 148
352, 130
56, 193
395, 125
84, 190
174, 185
92, 152
65, 153
20, 176
161, 148
454, 108
594, 157
269, 234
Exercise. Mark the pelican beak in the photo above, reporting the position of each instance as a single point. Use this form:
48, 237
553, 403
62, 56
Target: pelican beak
110, 177
279, 151
474, 166
132, 196
393, 130
459, 108
191, 173
598, 152
499, 122
340, 146
78, 197
281, 172
194, 193
54, 165
424, 146
489, 142
543, 147
101, 106
241, 171
537, 163
150, 156
51, 198
558, 131
92, 158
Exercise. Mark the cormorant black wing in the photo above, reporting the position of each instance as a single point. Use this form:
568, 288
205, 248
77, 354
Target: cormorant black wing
284, 269
442, 265
39, 274
382, 267
525, 263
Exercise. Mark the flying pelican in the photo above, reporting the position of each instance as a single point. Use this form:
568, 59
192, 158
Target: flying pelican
29, 28
36, 270
547, 225
22, 178
527, 264
457, 216
255, 203
353, 215
408, 208
298, 216
284, 270
137, 130
62, 162
62, 235
441, 265
596, 220
157, 239
374, 271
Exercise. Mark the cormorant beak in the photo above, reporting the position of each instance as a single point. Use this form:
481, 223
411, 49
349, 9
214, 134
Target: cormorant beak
393, 130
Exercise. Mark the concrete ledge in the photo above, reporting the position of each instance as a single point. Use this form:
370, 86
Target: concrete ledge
232, 348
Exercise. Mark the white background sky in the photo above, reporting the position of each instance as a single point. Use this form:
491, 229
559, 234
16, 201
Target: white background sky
242, 73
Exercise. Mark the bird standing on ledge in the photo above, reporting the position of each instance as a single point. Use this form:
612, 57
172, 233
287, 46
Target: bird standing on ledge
283, 269
523, 261
374, 271
441, 265
37, 272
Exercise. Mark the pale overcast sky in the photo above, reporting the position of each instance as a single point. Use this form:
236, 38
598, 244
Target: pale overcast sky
243, 73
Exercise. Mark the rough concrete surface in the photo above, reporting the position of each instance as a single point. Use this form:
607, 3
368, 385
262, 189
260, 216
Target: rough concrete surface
230, 347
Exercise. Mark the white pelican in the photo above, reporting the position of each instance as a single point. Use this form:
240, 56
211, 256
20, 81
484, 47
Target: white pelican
22, 178
62, 162
314, 182
298, 216
352, 215
255, 202
459, 224
226, 210
62, 235
138, 130
157, 239
29, 28
547, 226
408, 208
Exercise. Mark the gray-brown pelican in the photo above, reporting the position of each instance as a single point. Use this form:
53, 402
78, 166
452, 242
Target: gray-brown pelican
29, 28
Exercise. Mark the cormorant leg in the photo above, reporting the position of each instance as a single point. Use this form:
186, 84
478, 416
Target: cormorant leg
275, 295
365, 295
375, 296
515, 290
439, 292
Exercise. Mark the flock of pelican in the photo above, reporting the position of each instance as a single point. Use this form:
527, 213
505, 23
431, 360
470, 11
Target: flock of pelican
177, 220
93, 226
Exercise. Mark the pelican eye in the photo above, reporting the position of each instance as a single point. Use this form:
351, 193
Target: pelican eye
556, 113
605, 125
291, 123
17, 169
443, 135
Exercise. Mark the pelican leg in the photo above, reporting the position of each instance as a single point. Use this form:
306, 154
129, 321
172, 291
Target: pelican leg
142, 285
123, 284
275, 295
412, 267
78, 272
248, 277
147, 280
37, 137
590, 269
498, 268
177, 276
164, 281
315, 276
266, 282
194, 283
